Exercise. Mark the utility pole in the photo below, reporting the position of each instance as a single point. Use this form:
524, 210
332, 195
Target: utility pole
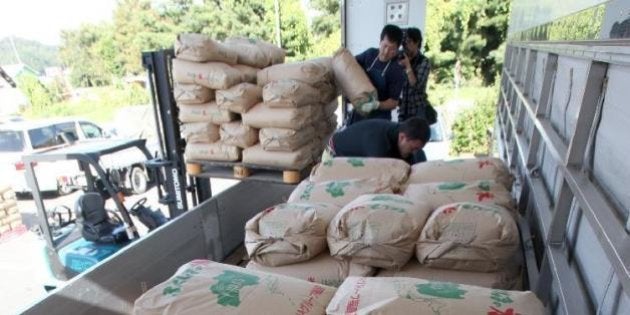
278, 31
17, 56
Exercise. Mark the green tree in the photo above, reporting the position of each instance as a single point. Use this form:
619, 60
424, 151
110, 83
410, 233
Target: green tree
37, 93
326, 27
471, 31
328, 21
90, 54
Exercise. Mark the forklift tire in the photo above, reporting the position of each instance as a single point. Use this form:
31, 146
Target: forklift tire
138, 180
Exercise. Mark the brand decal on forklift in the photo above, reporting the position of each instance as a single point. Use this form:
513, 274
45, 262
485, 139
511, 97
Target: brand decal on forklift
178, 193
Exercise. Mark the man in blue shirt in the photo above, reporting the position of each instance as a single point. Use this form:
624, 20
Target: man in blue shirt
385, 73
381, 138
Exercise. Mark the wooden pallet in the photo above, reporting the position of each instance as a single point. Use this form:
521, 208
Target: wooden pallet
239, 170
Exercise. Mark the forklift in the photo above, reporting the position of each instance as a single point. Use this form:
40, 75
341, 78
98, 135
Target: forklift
77, 239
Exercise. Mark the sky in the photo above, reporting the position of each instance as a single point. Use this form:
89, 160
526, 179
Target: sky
42, 20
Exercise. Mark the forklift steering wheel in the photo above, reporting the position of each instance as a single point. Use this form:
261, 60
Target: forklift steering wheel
139, 204
58, 212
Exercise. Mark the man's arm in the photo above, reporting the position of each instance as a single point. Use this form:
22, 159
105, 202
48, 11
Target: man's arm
361, 59
388, 104
420, 75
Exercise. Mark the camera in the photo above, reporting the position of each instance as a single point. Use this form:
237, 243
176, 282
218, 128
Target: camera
401, 55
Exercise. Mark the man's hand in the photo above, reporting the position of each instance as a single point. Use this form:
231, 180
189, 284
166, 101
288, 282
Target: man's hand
405, 62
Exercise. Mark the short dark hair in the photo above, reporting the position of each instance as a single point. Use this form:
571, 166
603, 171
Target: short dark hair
416, 128
393, 33
415, 34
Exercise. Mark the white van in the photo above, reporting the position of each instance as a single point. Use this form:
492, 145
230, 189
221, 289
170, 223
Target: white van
26, 137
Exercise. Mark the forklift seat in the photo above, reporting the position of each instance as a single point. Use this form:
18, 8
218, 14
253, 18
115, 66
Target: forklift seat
94, 222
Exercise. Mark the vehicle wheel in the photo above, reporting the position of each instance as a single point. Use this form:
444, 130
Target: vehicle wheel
139, 180
63, 190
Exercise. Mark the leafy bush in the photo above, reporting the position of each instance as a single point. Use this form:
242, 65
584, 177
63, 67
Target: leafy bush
470, 129
97, 104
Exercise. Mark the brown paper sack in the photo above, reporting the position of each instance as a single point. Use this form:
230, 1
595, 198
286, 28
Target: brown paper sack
249, 74
290, 93
205, 287
235, 133
208, 112
442, 193
461, 170
202, 132
296, 160
239, 98
469, 236
393, 171
504, 279
322, 269
360, 295
288, 233
192, 94
377, 230
262, 116
201, 48
214, 75
212, 152
330, 108
352, 79
338, 192
315, 72
285, 140
256, 53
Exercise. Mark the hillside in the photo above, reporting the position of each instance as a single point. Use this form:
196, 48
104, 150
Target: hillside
32, 53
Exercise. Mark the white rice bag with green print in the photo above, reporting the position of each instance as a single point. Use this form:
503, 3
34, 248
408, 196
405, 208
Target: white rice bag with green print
288, 233
392, 171
469, 236
206, 287
359, 295
322, 269
378, 230
442, 193
338, 192
461, 170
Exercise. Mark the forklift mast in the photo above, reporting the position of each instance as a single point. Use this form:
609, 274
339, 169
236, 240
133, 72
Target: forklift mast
170, 168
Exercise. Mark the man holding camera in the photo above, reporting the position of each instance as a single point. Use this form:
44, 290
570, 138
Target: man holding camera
414, 101
385, 73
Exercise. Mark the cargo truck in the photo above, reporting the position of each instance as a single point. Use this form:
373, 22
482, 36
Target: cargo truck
561, 127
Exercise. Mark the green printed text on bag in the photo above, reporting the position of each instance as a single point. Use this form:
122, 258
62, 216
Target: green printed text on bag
451, 186
335, 189
175, 286
445, 290
229, 285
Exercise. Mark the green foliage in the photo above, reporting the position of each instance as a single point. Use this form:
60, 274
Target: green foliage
97, 104
37, 55
328, 21
470, 129
98, 53
326, 27
471, 31
90, 54
39, 95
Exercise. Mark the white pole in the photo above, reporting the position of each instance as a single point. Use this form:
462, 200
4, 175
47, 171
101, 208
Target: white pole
278, 32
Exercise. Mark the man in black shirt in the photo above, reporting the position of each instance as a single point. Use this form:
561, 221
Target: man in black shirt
381, 138
385, 73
